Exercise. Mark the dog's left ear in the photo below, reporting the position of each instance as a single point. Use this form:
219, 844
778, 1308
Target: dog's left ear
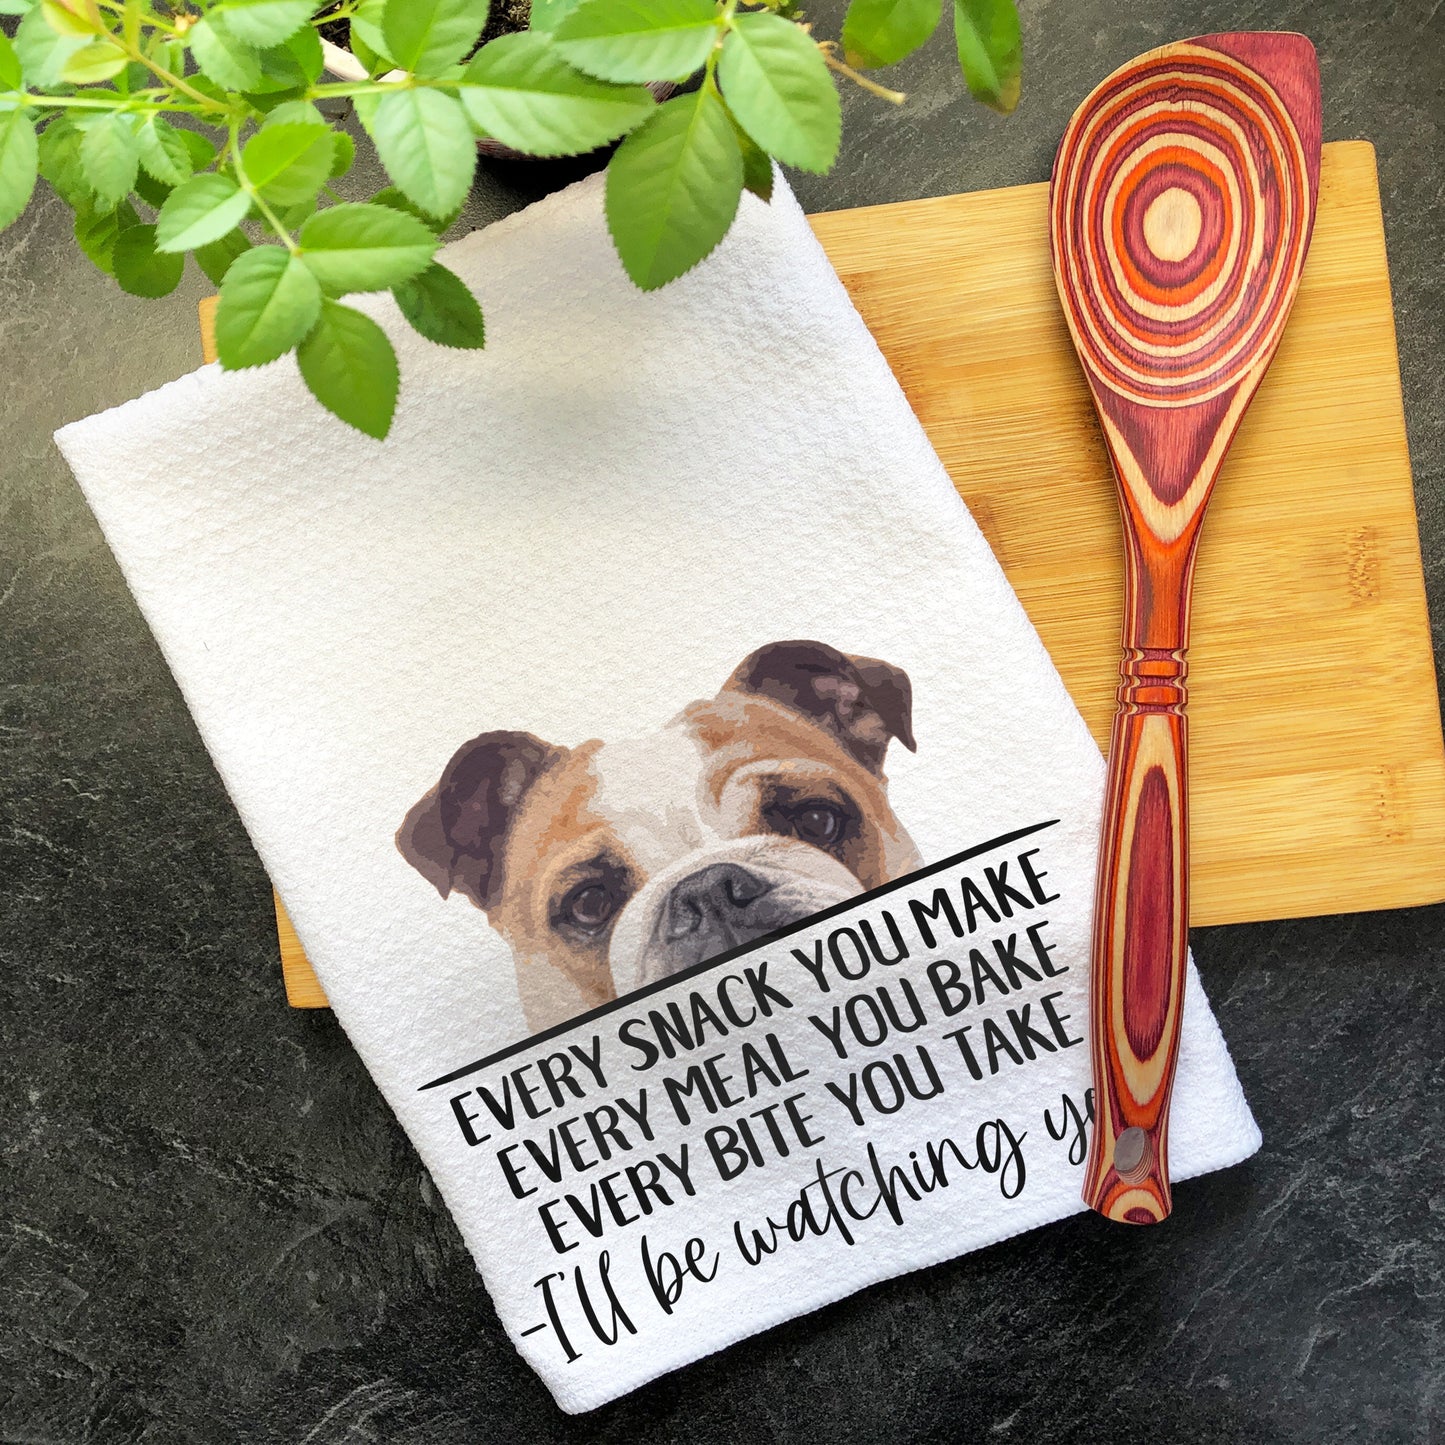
861, 701
454, 836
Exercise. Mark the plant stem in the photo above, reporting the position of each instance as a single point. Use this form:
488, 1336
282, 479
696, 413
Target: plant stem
894, 97
725, 20
270, 216
80, 102
342, 88
174, 81
148, 17
272, 219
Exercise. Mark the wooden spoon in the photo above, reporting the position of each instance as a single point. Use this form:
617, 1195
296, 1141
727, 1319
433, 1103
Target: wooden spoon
1181, 206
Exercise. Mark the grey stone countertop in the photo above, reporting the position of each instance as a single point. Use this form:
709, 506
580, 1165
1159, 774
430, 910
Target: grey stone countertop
213, 1229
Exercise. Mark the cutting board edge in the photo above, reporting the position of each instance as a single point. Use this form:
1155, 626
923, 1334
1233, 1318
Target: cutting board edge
1421, 600
924, 203
1426, 895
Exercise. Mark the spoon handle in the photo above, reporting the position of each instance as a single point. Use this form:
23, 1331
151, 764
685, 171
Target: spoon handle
1140, 934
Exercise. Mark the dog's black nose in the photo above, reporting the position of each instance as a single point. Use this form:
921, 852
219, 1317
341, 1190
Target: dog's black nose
714, 901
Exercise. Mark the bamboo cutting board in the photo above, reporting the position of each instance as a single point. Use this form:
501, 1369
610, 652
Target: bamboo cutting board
1317, 770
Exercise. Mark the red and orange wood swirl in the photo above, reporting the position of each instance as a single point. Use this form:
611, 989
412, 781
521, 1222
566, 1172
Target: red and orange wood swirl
1182, 202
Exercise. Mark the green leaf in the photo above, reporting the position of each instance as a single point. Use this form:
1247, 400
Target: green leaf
269, 301
292, 65
272, 92
882, 32
547, 15
11, 76
150, 190
293, 216
199, 212
639, 39
375, 64
96, 232
366, 26
757, 165
358, 247
344, 154
439, 305
425, 36
990, 50
19, 163
209, 88
15, 7
423, 139
365, 106
133, 77
65, 21
215, 259
295, 112
222, 55
289, 164
167, 53
41, 52
281, 80
110, 155
60, 164
264, 23
201, 151
523, 93
140, 268
779, 89
391, 196
305, 47
162, 151
350, 366
97, 61
673, 188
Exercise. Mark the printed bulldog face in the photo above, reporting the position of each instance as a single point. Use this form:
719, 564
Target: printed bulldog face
610, 865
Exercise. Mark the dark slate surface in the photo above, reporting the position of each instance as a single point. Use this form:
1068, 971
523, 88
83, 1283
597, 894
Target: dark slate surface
213, 1230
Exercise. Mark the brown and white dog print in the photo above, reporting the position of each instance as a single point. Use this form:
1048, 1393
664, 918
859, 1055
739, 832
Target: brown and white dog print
607, 866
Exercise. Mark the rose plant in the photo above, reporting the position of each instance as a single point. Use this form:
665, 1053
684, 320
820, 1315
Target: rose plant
195, 127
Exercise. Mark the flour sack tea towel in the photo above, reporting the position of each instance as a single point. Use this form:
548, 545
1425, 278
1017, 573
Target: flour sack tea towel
682, 815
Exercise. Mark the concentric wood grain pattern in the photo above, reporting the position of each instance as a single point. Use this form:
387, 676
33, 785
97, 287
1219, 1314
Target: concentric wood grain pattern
1181, 209
1181, 221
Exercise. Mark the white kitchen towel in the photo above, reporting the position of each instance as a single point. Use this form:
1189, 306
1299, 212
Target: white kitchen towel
651, 631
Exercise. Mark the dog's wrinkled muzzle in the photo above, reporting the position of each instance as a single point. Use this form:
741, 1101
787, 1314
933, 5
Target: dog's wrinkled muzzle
712, 905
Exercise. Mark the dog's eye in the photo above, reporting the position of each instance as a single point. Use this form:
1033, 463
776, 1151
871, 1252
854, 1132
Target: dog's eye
818, 823
826, 823
589, 906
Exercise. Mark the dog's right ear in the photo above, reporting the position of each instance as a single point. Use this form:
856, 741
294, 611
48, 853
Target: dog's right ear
859, 700
453, 837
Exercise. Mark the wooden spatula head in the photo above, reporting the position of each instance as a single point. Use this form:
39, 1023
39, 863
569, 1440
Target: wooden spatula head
1182, 204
